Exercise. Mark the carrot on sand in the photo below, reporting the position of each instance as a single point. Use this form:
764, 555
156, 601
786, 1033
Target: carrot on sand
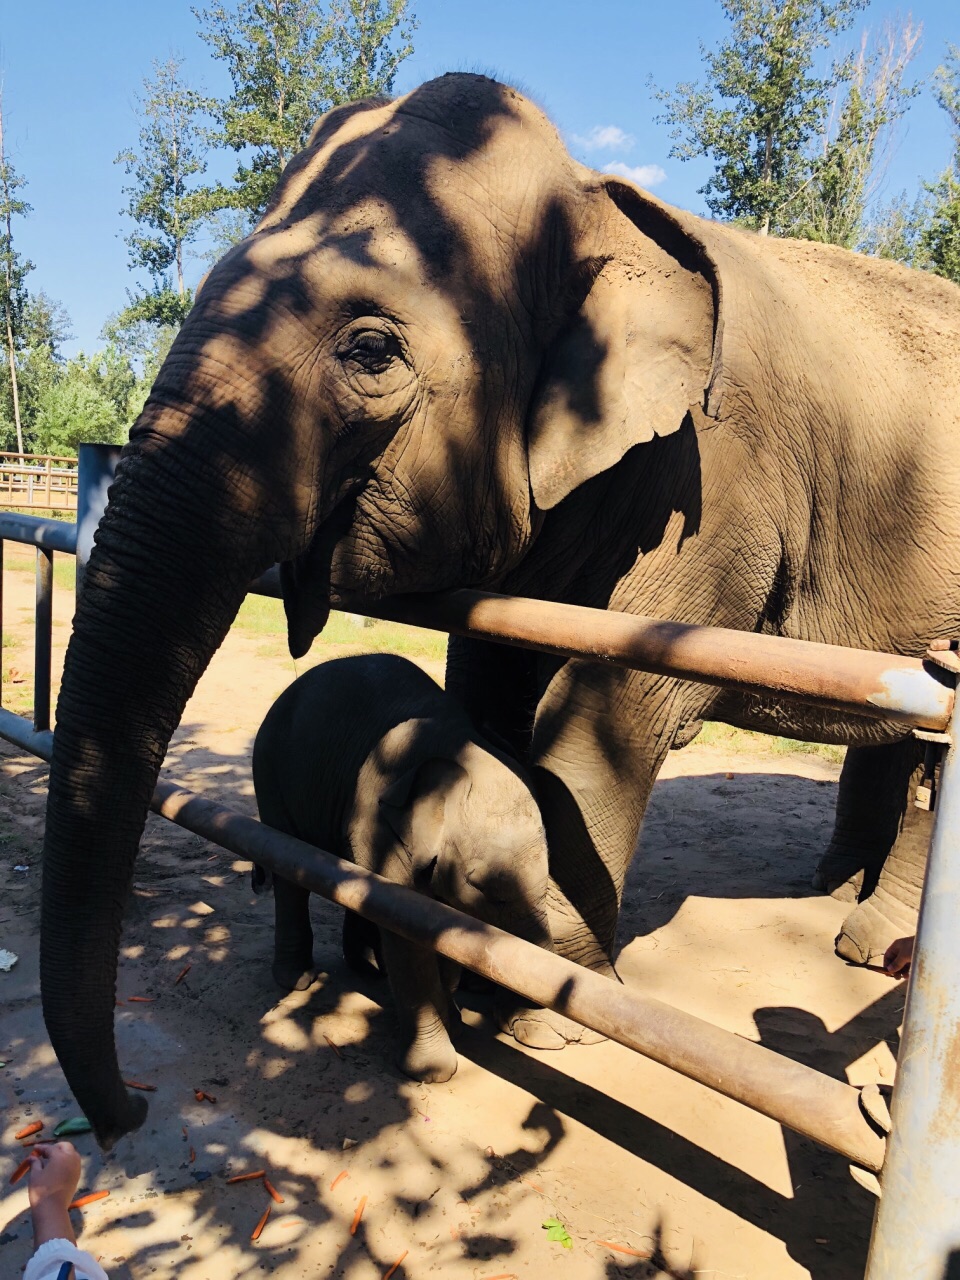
201, 1095
20, 1170
136, 1084
247, 1177
141, 999
361, 1205
622, 1248
255, 1233
30, 1130
88, 1199
193, 1155
334, 1047
339, 1178
182, 974
272, 1191
387, 1274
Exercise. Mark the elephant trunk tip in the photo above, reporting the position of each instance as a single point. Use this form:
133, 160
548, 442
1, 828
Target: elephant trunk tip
132, 1116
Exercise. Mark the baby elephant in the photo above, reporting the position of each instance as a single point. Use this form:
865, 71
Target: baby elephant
368, 758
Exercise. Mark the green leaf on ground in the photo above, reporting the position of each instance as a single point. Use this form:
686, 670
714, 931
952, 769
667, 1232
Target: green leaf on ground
557, 1232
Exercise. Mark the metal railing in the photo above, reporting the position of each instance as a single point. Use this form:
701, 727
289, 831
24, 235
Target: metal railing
917, 1229
44, 481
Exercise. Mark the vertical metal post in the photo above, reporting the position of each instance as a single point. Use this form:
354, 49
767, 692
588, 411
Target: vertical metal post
42, 640
95, 468
916, 1233
1, 622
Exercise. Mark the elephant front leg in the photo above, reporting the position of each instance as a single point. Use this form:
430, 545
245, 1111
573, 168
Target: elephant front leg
600, 739
293, 968
870, 805
890, 911
425, 1011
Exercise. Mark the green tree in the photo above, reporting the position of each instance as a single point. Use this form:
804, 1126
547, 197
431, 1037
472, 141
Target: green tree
831, 206
761, 107
939, 241
289, 61
44, 328
170, 157
365, 58
74, 409
13, 273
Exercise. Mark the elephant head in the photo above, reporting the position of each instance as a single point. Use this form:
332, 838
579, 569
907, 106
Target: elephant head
441, 327
468, 832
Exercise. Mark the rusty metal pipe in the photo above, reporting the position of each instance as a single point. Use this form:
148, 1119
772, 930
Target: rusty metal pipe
795, 1095
880, 686
804, 1100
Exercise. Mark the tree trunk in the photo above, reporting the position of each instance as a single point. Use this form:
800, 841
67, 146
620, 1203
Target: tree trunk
11, 349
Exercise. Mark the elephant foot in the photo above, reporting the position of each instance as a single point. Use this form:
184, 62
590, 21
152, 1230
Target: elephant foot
544, 1028
867, 932
840, 875
293, 977
429, 1063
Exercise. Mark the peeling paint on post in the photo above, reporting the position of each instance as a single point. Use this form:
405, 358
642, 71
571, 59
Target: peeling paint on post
916, 1234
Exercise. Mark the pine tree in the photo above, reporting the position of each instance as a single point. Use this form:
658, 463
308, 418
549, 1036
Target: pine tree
170, 157
761, 106
13, 274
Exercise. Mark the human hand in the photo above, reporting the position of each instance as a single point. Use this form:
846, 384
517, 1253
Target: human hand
54, 1174
897, 957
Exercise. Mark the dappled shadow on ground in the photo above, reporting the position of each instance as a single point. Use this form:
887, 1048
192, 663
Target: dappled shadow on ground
462, 1175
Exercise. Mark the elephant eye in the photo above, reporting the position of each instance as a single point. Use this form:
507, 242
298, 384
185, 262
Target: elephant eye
372, 351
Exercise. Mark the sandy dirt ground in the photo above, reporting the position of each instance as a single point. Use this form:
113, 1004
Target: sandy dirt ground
458, 1178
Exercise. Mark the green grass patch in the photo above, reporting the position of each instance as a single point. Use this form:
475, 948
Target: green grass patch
714, 734
64, 565
264, 616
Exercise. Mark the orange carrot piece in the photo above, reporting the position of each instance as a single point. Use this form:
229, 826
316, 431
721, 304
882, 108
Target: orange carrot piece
247, 1177
334, 1047
255, 1233
144, 1088
388, 1273
292, 1222
182, 974
193, 1155
141, 999
118, 1003
20, 1170
361, 1205
272, 1191
201, 1095
88, 1199
622, 1248
30, 1130
339, 1178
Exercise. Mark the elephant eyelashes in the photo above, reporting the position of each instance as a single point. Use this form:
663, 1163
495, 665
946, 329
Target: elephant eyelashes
373, 351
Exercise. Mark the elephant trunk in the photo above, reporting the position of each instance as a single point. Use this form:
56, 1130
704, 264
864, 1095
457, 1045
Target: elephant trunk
158, 599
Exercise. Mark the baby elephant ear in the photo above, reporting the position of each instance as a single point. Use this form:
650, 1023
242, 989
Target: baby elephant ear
413, 806
632, 359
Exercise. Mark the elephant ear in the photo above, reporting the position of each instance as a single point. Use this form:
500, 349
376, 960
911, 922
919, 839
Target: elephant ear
414, 807
635, 354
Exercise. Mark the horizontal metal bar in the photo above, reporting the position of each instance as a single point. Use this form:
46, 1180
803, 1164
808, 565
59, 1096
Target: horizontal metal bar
52, 535
805, 1100
880, 686
21, 733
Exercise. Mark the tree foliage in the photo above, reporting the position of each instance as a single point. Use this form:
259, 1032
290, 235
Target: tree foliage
13, 274
289, 61
761, 106
831, 205
939, 241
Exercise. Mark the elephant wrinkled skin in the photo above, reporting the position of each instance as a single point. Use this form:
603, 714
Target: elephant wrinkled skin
369, 758
451, 356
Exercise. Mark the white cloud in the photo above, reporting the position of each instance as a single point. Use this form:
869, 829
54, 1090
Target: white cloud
644, 175
604, 137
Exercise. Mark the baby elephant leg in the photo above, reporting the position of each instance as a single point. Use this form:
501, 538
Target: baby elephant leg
424, 1010
293, 937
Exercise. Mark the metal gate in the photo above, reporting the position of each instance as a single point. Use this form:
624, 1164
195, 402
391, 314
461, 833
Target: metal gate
917, 1227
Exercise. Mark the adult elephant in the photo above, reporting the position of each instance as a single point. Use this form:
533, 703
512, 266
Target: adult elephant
449, 355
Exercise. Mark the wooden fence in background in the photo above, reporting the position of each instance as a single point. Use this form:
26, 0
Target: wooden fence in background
38, 481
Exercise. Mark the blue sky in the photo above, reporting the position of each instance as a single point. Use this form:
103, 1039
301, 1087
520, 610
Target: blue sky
71, 74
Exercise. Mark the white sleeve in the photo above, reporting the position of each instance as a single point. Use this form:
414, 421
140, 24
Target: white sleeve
50, 1257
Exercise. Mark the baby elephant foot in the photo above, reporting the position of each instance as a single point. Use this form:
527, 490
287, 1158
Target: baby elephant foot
431, 1061
291, 976
544, 1028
